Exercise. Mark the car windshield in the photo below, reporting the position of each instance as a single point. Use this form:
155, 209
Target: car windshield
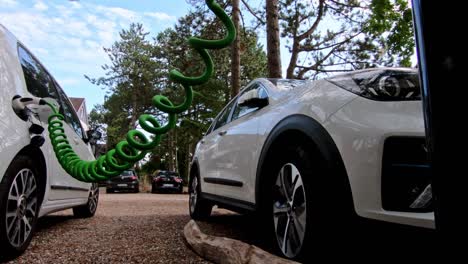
285, 84
127, 173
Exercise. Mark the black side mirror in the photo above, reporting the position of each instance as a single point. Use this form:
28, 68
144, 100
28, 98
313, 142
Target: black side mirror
252, 99
93, 136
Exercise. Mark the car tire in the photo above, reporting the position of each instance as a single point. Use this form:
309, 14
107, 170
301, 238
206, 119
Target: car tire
137, 190
109, 191
20, 196
302, 205
199, 209
90, 208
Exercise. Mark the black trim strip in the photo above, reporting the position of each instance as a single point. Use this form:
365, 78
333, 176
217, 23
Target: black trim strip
59, 187
223, 181
229, 203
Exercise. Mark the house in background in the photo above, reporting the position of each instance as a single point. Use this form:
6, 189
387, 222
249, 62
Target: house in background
80, 107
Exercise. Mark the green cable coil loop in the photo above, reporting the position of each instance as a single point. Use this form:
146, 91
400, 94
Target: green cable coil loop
137, 145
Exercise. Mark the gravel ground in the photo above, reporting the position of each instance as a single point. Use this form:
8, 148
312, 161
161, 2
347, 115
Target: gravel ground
127, 228
147, 228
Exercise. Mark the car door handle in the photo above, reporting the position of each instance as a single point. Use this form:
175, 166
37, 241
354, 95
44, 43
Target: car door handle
222, 133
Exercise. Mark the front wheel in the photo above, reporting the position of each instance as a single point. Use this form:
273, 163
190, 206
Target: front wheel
199, 209
290, 211
306, 204
19, 206
89, 209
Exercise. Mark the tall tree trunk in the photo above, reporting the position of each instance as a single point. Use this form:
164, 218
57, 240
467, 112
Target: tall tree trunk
273, 39
293, 61
235, 51
134, 110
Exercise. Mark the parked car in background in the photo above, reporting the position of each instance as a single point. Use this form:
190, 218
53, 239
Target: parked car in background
127, 181
308, 155
167, 181
32, 182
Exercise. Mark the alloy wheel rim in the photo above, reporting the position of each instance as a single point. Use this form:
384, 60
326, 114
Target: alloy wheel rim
21, 207
93, 198
289, 210
193, 194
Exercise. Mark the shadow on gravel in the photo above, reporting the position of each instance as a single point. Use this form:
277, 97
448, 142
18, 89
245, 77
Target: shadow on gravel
50, 221
369, 241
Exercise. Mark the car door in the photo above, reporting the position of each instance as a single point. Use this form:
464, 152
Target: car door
40, 83
67, 187
236, 151
207, 150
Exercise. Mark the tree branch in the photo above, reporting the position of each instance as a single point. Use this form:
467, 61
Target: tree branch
253, 13
317, 48
316, 22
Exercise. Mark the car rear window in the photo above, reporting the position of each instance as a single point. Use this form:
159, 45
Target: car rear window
128, 173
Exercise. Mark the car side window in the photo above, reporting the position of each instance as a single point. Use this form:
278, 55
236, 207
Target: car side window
240, 111
69, 113
38, 81
224, 116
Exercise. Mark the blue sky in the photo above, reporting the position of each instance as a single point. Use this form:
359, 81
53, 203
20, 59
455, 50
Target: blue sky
68, 36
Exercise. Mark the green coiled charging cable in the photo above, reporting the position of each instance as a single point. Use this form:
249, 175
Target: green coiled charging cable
137, 145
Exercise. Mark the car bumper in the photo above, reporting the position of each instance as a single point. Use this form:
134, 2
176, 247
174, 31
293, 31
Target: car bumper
167, 187
122, 186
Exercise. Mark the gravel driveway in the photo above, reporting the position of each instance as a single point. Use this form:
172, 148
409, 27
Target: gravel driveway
127, 228
147, 228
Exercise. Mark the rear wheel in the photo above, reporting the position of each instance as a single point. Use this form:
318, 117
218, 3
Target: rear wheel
89, 209
199, 209
19, 206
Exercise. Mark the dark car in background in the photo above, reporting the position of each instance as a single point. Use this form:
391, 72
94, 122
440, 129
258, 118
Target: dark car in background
126, 181
167, 181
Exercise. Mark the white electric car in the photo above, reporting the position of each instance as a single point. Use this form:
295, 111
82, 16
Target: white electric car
308, 154
32, 182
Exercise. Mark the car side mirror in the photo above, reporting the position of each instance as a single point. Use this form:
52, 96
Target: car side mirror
252, 99
93, 136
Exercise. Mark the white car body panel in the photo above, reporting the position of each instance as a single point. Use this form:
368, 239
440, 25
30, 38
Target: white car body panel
14, 135
359, 131
358, 127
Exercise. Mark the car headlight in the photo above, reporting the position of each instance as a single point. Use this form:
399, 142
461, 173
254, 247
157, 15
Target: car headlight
381, 84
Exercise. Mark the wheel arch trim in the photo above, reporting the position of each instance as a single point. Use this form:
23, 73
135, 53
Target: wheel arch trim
317, 134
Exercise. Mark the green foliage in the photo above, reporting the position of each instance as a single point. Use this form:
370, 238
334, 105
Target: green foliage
139, 70
390, 25
326, 36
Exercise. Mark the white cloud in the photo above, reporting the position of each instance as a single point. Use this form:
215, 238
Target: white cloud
8, 3
69, 37
160, 16
75, 5
68, 81
40, 6
118, 12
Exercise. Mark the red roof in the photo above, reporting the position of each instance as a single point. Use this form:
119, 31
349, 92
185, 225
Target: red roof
76, 102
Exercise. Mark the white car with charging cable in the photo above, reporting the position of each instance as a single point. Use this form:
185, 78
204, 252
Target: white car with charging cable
32, 182
310, 155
